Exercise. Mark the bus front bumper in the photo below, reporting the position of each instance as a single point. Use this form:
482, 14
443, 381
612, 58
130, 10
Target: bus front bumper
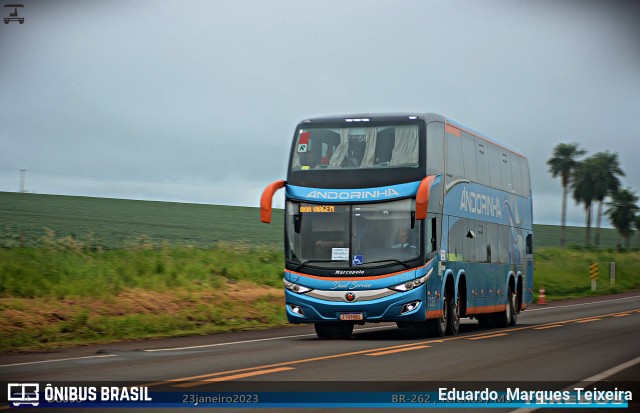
357, 307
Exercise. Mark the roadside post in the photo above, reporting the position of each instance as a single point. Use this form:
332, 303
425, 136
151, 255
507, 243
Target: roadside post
593, 273
612, 274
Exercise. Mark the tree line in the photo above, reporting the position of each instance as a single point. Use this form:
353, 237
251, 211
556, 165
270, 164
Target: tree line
593, 180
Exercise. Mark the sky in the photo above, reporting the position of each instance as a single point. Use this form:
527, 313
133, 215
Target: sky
197, 101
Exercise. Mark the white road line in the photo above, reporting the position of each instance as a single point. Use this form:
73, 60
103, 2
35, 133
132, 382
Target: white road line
251, 341
53, 361
577, 305
595, 378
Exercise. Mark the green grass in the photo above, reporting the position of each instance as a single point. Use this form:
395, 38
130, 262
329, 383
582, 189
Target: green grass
102, 223
54, 296
565, 273
77, 270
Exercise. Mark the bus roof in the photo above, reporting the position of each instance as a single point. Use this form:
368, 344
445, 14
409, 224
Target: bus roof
361, 118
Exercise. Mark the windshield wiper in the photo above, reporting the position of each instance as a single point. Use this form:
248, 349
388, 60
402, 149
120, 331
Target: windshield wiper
305, 263
404, 264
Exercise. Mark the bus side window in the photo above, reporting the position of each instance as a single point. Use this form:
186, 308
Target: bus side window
469, 156
494, 166
454, 163
435, 148
516, 171
483, 163
492, 243
505, 170
431, 244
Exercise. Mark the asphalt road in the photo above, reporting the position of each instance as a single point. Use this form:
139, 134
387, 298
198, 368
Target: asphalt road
552, 346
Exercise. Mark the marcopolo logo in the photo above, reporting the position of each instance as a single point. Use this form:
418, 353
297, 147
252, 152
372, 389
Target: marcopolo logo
353, 195
480, 204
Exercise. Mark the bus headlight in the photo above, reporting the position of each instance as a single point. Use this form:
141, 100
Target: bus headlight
296, 288
410, 285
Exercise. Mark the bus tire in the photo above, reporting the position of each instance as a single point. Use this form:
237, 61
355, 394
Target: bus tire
508, 317
438, 326
453, 326
331, 330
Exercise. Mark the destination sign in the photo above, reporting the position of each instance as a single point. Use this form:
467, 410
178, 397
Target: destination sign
317, 208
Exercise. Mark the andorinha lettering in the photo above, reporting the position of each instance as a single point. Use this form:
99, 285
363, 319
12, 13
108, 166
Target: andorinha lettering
351, 195
480, 204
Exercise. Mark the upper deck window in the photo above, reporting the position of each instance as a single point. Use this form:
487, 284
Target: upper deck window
358, 147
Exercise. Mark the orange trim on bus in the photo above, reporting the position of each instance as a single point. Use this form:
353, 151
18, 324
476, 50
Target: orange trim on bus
434, 314
266, 200
422, 197
486, 309
452, 130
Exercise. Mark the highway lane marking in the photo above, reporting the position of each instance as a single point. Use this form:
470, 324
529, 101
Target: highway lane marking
254, 341
581, 304
234, 377
489, 336
358, 330
56, 360
590, 319
622, 315
285, 364
384, 353
551, 326
364, 352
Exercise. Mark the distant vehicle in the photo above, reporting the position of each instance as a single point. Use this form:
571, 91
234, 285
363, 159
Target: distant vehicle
13, 17
408, 218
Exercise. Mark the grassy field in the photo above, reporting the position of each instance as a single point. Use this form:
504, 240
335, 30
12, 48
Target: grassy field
117, 223
79, 270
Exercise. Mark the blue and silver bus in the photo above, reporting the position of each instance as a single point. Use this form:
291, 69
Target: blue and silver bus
406, 218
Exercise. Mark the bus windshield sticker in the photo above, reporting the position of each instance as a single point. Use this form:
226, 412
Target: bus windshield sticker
339, 254
357, 260
303, 142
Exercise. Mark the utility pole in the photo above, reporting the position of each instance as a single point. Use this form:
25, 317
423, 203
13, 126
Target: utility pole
23, 173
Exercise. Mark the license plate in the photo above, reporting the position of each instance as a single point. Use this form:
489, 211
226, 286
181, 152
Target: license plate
351, 316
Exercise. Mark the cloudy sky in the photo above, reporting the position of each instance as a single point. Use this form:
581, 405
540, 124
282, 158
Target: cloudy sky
196, 101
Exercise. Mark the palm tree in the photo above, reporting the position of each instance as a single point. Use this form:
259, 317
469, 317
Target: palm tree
622, 212
584, 190
563, 164
607, 170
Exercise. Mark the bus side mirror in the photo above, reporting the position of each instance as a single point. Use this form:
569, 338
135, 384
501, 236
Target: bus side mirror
422, 197
267, 198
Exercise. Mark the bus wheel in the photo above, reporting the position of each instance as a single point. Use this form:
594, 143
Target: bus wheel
331, 330
454, 316
438, 326
514, 304
508, 317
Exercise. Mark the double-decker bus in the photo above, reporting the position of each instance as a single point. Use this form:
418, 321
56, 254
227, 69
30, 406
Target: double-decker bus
407, 218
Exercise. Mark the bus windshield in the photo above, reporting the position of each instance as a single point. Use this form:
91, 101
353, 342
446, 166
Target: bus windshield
356, 147
335, 236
